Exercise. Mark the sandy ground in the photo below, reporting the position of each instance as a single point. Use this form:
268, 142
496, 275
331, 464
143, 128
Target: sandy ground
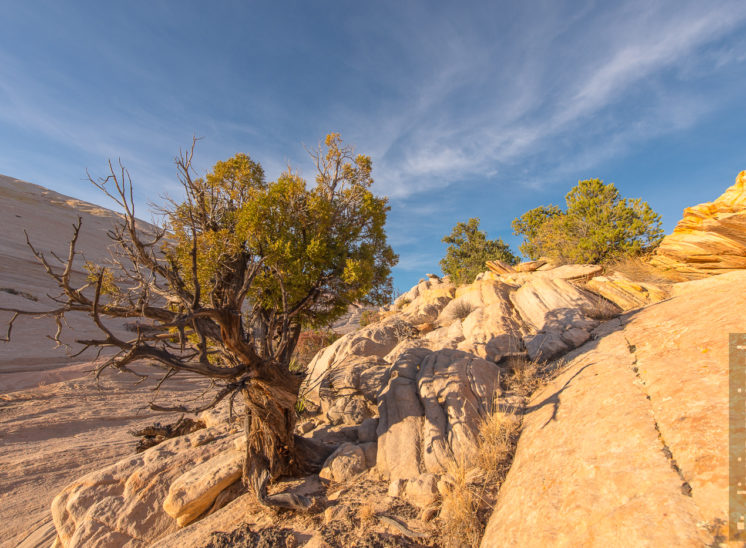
56, 422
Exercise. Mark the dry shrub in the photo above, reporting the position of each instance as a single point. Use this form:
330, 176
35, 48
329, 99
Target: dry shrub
601, 310
460, 505
368, 317
498, 435
472, 484
365, 513
461, 310
424, 328
524, 376
309, 344
638, 269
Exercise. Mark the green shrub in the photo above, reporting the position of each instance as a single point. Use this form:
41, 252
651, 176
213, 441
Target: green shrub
469, 250
597, 226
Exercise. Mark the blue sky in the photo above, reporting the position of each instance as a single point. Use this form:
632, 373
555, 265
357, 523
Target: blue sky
468, 109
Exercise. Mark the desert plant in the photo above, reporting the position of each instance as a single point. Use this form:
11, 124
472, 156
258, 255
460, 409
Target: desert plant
461, 309
368, 317
469, 250
461, 500
498, 435
524, 376
601, 309
598, 225
227, 284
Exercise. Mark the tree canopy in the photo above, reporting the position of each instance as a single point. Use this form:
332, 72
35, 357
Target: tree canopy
469, 250
597, 225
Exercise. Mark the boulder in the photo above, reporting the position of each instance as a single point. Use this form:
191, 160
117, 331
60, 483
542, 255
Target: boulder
122, 504
431, 409
625, 293
422, 491
555, 311
194, 491
344, 464
375, 340
710, 238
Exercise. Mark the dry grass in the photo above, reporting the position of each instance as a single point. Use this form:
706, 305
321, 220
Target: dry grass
601, 310
461, 310
639, 269
524, 376
460, 504
368, 317
472, 484
498, 435
424, 328
365, 513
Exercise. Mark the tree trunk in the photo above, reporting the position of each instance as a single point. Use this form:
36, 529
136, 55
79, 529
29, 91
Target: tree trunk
269, 427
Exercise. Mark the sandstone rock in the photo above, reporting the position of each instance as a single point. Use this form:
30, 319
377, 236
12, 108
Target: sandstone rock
194, 491
422, 491
554, 307
375, 340
423, 303
530, 266
344, 464
624, 292
599, 441
396, 487
499, 267
430, 410
366, 432
710, 238
122, 504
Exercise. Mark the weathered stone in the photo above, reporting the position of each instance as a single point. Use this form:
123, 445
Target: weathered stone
530, 266
600, 441
194, 491
396, 487
122, 504
422, 491
344, 464
624, 292
554, 308
366, 432
430, 410
710, 238
372, 341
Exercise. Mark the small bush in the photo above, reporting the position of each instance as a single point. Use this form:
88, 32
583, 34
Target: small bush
461, 310
403, 303
368, 317
460, 504
601, 310
498, 435
309, 344
524, 376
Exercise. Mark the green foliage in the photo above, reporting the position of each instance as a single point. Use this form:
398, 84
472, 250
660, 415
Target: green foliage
368, 317
469, 250
322, 244
598, 225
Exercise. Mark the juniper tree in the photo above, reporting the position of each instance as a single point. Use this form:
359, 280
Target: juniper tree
225, 286
597, 225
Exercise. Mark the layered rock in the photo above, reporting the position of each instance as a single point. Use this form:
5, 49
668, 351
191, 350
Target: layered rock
627, 447
123, 504
710, 238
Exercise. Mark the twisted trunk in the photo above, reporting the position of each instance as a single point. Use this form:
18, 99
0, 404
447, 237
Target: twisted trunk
269, 426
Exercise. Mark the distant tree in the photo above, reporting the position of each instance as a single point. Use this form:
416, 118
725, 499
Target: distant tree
597, 225
224, 288
469, 250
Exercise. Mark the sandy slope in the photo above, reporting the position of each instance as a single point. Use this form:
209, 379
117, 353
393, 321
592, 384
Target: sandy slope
55, 422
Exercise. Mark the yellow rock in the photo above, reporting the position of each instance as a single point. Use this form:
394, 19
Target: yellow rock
710, 238
625, 293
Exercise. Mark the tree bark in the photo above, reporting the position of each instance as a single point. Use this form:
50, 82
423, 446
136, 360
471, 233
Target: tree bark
269, 426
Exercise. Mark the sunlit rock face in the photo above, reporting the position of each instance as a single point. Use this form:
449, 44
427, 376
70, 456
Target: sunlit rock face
710, 238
